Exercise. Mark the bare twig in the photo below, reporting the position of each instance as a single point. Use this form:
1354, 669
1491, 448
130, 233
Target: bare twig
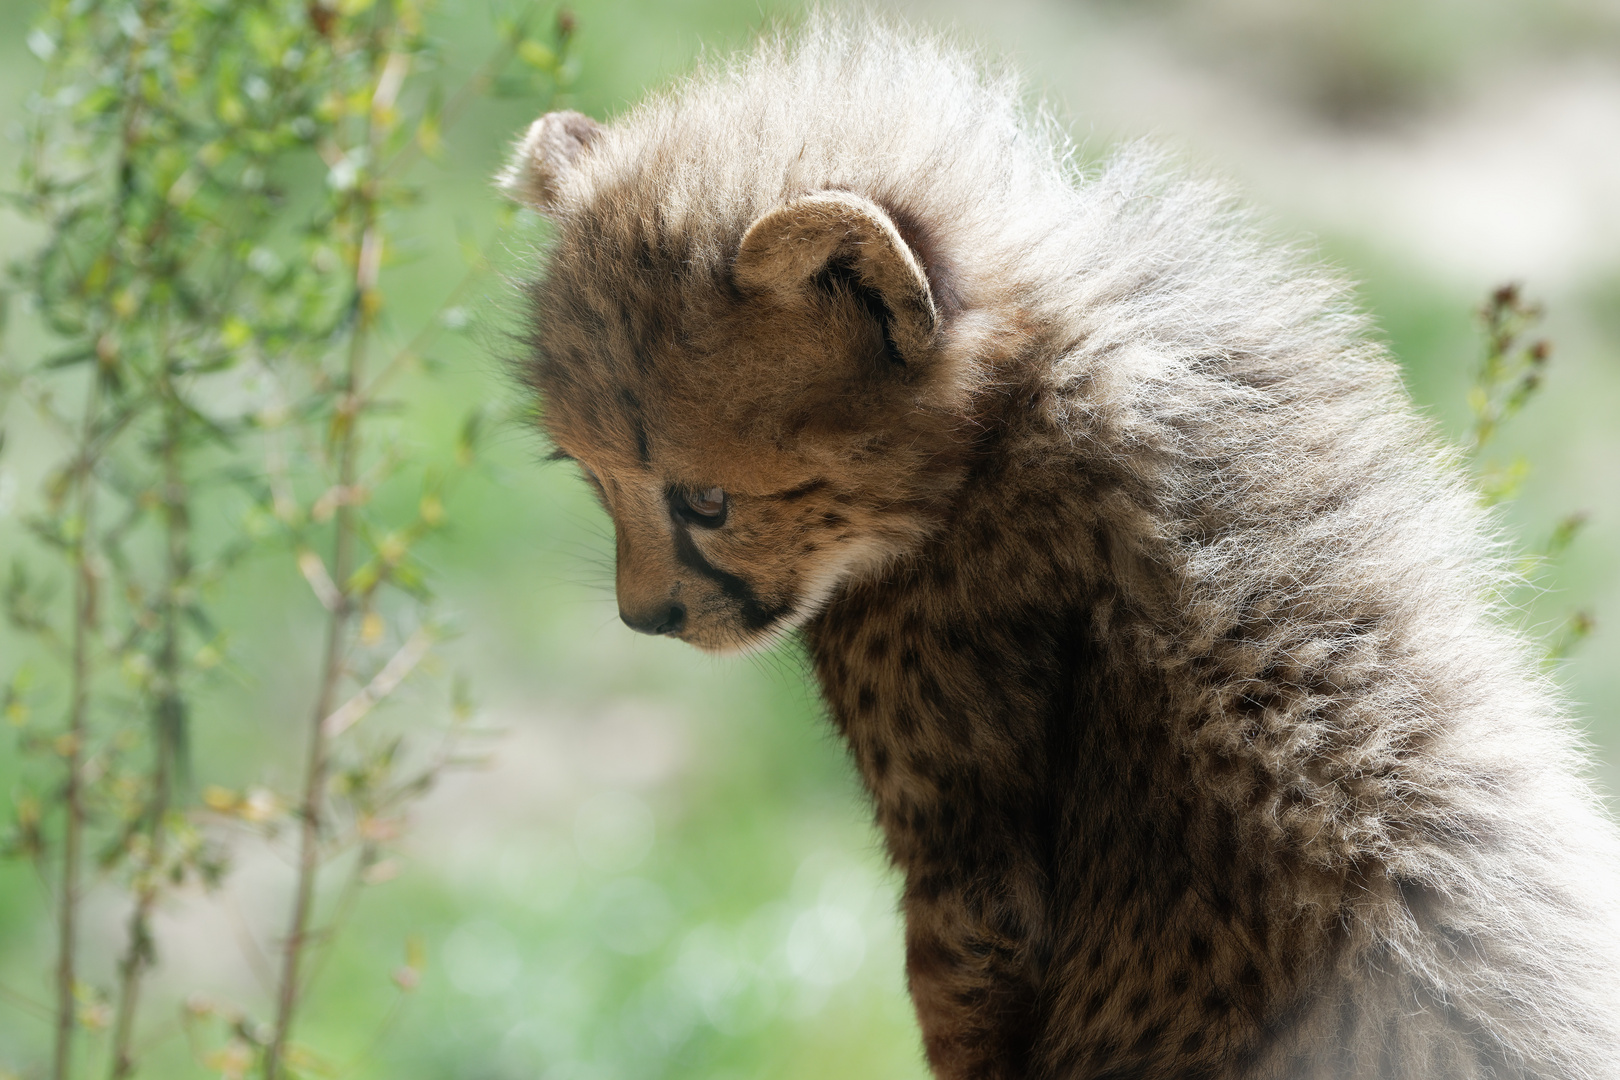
470, 91
169, 719
399, 666
84, 616
84, 603
26, 1004
368, 263
258, 961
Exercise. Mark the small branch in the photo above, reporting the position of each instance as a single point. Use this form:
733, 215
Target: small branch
91, 444
340, 915
257, 960
432, 328
386, 681
383, 1028
317, 762
84, 616
314, 571
168, 725
469, 91
26, 1004
368, 263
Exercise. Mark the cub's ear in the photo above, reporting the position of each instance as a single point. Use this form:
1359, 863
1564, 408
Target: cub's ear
545, 156
787, 248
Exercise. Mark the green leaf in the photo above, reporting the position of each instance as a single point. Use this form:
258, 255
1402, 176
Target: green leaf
69, 358
537, 56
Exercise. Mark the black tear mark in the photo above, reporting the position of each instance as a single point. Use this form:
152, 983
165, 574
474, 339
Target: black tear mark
756, 615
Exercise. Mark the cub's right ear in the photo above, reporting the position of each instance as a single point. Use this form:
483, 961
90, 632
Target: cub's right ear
545, 156
787, 248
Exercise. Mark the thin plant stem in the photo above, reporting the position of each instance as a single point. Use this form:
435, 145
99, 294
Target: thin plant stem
26, 1004
168, 724
318, 761
367, 264
84, 613
476, 86
84, 600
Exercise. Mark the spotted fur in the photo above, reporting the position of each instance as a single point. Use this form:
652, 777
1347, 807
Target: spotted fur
1160, 628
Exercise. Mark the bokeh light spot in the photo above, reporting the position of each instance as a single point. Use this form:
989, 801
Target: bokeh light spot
482, 958
614, 831
826, 945
633, 916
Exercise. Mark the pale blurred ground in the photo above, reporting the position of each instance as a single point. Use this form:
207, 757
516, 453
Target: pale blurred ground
665, 868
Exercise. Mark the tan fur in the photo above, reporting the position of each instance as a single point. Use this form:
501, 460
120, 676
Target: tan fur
1158, 625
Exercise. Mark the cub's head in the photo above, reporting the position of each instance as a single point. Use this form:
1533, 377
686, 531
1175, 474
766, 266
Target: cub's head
759, 389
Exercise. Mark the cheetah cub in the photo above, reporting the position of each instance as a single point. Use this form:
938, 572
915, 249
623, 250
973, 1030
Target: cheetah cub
1157, 623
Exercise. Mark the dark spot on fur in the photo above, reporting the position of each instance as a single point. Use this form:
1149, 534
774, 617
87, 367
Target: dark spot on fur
638, 425
1260, 925
809, 487
985, 533
1131, 883
877, 647
1150, 1038
1176, 888
1388, 1066
929, 688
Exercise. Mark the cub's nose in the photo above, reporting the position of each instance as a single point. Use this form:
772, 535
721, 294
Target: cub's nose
667, 619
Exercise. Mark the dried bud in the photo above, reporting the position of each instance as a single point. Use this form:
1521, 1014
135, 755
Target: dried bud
321, 18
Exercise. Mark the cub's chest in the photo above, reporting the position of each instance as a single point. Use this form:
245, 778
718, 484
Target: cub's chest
953, 721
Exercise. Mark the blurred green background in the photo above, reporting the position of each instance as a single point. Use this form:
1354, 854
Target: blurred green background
663, 867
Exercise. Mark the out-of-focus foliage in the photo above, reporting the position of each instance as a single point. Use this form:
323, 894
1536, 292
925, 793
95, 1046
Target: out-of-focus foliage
216, 184
660, 865
1510, 373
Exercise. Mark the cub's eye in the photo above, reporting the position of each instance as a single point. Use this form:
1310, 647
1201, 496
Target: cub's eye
706, 508
711, 503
